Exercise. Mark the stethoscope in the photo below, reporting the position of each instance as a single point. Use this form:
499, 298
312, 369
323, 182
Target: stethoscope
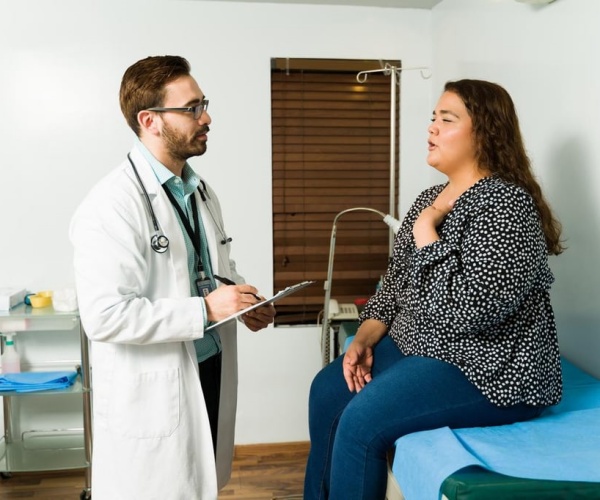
159, 242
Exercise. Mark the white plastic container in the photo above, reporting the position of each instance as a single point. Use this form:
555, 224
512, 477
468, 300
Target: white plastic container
11, 362
65, 300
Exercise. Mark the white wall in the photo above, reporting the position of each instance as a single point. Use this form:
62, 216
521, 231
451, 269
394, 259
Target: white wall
61, 130
546, 57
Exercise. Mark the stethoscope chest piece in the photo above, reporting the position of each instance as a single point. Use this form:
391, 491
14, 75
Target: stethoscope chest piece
159, 243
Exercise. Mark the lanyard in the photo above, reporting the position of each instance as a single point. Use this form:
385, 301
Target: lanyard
194, 234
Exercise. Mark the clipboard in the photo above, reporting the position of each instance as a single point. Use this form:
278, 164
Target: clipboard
279, 295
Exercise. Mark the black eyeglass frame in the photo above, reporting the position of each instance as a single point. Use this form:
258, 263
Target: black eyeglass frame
197, 110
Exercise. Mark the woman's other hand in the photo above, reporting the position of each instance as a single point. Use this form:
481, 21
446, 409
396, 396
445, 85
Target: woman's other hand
358, 359
357, 365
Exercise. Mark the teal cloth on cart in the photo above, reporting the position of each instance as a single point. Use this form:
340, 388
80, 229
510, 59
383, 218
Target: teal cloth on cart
36, 381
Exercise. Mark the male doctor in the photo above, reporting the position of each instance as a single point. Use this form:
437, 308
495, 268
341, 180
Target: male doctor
150, 256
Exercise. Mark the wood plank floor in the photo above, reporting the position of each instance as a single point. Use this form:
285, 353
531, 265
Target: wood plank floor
267, 472
260, 472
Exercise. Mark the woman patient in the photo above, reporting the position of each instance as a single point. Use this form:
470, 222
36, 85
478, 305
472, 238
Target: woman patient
462, 332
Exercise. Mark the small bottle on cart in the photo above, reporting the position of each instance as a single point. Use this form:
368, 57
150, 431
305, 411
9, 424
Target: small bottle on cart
10, 357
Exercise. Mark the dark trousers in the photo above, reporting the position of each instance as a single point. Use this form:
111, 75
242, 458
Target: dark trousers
210, 379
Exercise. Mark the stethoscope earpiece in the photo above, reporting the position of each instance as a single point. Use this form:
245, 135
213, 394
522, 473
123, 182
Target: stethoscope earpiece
205, 196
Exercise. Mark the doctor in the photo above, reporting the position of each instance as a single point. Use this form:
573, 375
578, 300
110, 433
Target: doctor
148, 242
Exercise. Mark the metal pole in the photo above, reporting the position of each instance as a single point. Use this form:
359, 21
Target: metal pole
392, 209
87, 409
325, 333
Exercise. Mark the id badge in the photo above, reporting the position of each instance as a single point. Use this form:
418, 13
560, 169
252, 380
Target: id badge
204, 286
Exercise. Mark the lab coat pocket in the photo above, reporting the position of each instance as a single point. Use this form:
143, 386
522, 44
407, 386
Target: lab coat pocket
146, 405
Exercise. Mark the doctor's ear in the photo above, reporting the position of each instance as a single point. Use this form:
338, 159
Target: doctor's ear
148, 121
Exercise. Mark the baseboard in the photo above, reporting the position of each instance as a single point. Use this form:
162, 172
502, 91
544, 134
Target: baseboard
248, 450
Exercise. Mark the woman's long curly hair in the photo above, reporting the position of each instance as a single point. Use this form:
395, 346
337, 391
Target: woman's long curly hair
499, 146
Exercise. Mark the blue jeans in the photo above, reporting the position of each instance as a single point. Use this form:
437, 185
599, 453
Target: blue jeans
351, 433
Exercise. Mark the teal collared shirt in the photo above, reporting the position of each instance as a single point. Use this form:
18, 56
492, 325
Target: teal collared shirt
182, 189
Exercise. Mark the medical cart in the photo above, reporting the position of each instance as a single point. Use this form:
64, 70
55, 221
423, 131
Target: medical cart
25, 449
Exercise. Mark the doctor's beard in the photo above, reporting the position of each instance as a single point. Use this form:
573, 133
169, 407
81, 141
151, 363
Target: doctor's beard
180, 146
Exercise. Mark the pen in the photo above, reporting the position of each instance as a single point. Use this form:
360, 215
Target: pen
227, 281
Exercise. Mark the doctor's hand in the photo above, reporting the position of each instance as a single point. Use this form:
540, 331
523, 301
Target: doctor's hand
227, 300
259, 318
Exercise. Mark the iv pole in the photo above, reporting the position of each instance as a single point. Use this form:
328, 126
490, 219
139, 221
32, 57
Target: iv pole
394, 72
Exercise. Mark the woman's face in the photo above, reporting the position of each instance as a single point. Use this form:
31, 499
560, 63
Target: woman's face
451, 142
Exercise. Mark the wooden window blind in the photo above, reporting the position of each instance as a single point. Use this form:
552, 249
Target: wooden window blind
331, 152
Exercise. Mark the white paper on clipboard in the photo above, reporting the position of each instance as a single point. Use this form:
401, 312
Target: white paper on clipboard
279, 295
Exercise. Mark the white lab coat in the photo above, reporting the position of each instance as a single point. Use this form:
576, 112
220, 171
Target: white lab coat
151, 435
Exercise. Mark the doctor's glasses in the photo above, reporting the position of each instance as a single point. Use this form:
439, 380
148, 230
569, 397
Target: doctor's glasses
197, 110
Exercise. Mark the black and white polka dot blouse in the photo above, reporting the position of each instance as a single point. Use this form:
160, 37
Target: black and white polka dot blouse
479, 297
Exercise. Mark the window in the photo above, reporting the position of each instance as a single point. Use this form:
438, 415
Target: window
331, 151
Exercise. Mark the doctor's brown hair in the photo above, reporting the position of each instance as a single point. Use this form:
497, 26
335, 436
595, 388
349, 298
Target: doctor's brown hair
499, 146
143, 85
